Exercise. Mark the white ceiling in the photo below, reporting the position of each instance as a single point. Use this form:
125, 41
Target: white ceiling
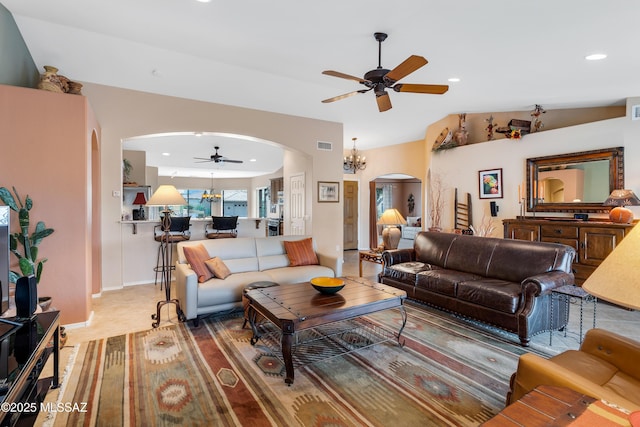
269, 55
180, 154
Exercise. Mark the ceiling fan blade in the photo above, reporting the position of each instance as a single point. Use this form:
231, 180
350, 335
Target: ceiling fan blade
202, 158
409, 65
384, 102
230, 161
344, 76
417, 88
346, 95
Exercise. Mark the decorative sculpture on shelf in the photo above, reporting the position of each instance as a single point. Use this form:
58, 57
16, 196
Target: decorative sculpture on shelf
490, 128
461, 135
537, 123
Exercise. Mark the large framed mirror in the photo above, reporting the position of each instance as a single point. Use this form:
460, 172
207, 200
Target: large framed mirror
574, 182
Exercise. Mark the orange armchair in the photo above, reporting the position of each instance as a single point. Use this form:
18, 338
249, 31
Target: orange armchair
607, 367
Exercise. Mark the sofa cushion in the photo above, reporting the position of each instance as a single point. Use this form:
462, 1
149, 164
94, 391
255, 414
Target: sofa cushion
443, 281
516, 260
215, 292
496, 294
406, 272
433, 248
471, 254
196, 256
304, 273
300, 252
218, 267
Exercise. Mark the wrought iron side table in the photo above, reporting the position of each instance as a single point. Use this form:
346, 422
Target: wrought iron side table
567, 292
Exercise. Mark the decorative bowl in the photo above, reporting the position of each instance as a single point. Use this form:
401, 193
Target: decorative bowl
327, 285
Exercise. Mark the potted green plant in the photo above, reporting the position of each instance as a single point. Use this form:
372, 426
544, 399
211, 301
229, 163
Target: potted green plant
23, 243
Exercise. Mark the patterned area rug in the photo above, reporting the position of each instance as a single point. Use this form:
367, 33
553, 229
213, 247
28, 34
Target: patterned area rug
448, 373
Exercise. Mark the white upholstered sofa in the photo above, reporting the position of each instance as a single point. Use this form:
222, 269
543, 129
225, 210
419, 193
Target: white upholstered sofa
250, 260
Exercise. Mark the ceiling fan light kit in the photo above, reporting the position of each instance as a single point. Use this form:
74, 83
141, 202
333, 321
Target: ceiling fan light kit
381, 79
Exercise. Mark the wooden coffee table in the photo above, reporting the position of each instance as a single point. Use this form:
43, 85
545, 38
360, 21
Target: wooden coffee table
555, 406
297, 307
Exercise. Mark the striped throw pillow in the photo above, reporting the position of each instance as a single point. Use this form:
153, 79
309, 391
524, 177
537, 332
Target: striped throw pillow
196, 257
300, 252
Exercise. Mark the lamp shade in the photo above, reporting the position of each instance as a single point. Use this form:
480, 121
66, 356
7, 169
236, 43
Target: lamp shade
140, 199
391, 217
166, 195
616, 279
622, 198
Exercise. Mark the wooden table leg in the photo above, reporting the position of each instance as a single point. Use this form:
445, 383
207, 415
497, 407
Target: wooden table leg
287, 339
360, 265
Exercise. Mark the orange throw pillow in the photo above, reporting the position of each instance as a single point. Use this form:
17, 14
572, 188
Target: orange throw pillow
196, 257
218, 268
300, 252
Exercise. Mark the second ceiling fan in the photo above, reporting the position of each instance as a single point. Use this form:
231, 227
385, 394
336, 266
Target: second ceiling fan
217, 158
381, 79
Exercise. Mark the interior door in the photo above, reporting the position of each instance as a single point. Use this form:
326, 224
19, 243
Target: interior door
297, 203
350, 208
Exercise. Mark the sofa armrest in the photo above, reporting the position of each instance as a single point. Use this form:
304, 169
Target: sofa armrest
333, 262
187, 290
621, 352
534, 370
541, 284
396, 256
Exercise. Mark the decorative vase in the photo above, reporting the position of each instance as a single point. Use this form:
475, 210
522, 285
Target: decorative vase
45, 303
50, 80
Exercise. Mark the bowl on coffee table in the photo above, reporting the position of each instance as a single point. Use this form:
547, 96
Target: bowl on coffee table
327, 285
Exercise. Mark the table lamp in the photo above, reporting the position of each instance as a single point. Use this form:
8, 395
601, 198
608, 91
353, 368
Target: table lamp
140, 200
616, 278
391, 234
621, 198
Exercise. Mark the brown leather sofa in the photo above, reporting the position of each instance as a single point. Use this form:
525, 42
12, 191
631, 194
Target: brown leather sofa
501, 282
606, 367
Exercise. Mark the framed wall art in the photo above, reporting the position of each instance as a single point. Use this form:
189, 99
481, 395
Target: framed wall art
328, 192
490, 184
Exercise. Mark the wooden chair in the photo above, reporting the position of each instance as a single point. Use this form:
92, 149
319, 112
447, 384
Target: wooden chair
222, 227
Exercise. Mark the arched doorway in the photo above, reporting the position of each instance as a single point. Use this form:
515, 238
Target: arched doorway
399, 191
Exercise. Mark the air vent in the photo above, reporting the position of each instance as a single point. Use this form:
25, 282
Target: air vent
635, 112
325, 146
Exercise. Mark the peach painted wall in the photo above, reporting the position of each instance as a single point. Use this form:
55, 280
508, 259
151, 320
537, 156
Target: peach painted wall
46, 154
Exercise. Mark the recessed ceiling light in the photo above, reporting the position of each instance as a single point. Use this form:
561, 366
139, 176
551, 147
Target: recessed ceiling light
166, 154
253, 160
595, 56
204, 1
454, 79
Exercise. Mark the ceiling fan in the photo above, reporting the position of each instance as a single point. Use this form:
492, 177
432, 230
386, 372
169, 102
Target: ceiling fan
380, 79
217, 158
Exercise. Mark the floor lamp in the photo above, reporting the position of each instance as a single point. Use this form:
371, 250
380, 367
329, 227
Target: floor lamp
166, 195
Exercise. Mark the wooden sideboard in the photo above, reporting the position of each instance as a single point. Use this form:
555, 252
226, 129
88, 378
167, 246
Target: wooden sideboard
592, 240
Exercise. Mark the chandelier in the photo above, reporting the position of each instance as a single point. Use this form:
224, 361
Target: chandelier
212, 197
354, 162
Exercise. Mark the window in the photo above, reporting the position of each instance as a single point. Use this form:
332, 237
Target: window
234, 202
262, 196
384, 196
196, 207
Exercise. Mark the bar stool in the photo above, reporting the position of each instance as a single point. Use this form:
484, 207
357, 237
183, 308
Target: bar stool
222, 227
178, 232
